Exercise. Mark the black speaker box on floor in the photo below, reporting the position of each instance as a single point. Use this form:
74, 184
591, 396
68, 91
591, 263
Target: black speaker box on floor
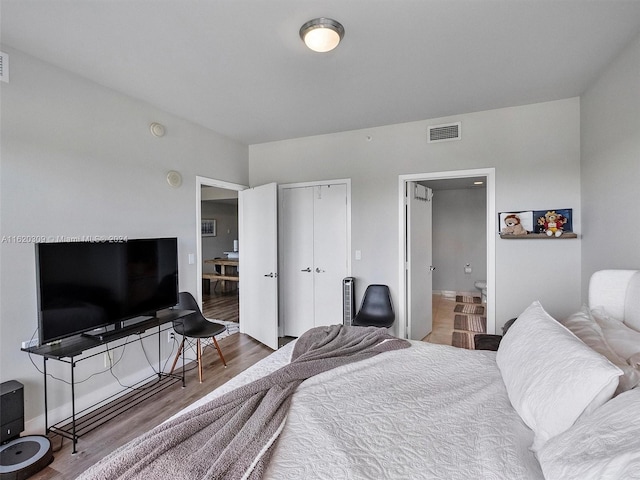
19, 457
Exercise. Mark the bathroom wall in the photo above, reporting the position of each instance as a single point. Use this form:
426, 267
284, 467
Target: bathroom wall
459, 237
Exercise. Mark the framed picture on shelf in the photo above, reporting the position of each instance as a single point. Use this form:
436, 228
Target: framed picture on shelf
208, 227
516, 223
554, 223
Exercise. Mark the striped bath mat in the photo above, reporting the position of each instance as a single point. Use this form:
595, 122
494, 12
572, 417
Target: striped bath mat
468, 299
469, 309
470, 323
463, 340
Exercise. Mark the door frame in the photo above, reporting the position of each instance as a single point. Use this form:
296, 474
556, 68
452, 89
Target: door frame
489, 173
206, 182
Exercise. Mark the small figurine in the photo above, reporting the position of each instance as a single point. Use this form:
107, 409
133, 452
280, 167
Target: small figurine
513, 226
552, 223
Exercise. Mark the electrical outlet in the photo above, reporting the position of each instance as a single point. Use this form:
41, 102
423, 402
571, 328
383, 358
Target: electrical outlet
171, 336
30, 343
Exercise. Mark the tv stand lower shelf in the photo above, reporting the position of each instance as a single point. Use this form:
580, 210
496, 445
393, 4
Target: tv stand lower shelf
72, 351
97, 415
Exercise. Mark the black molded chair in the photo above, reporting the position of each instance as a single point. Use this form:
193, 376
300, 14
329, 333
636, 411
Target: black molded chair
376, 309
195, 326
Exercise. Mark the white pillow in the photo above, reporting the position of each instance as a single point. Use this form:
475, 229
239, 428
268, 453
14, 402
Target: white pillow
632, 303
584, 326
622, 339
602, 445
551, 375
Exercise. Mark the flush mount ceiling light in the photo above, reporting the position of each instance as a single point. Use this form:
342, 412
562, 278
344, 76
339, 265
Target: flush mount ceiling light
321, 34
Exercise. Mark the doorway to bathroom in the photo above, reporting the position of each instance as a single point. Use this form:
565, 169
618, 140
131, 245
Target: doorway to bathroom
461, 244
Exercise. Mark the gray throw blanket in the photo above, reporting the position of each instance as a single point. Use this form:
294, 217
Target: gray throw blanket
232, 436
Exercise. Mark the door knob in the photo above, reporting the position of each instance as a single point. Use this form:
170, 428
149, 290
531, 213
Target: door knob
319, 270
308, 269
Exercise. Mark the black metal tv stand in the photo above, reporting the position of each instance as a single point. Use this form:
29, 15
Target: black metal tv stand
72, 350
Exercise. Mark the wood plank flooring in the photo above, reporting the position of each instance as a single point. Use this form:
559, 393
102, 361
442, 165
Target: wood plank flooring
240, 352
221, 306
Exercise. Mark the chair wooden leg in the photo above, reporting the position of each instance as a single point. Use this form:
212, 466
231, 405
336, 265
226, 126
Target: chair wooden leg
215, 342
199, 355
175, 360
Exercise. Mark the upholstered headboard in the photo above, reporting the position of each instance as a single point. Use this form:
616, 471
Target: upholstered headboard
618, 291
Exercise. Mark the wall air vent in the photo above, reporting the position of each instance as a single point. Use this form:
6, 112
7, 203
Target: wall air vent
4, 67
444, 133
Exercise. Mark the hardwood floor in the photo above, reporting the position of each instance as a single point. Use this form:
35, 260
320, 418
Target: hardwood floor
221, 306
240, 352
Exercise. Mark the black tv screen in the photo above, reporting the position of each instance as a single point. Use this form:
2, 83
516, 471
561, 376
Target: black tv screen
83, 286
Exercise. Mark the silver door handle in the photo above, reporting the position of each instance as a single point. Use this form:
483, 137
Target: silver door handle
318, 270
308, 269
432, 268
271, 275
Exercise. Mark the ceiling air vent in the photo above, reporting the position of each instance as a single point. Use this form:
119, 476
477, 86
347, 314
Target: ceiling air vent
4, 67
444, 133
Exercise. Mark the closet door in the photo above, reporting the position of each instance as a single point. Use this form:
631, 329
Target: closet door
297, 260
329, 251
314, 255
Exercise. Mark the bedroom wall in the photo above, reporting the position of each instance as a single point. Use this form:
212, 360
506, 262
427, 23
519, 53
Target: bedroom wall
610, 118
79, 160
535, 150
459, 237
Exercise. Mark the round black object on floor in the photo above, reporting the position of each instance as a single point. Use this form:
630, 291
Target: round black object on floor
22, 457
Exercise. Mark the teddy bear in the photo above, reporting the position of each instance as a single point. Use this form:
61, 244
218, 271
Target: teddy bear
552, 223
513, 226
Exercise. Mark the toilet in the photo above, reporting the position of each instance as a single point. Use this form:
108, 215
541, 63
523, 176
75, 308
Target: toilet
482, 286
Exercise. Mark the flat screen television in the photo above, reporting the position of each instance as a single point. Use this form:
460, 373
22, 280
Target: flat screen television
84, 286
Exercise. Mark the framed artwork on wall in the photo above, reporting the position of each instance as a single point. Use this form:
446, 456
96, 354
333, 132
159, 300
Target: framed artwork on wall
208, 227
516, 223
554, 223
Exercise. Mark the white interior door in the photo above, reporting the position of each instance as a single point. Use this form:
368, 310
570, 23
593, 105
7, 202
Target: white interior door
330, 251
419, 261
297, 276
258, 263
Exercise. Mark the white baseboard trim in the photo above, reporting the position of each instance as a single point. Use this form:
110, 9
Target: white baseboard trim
448, 294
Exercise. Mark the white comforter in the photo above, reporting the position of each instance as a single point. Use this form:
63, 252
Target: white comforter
429, 411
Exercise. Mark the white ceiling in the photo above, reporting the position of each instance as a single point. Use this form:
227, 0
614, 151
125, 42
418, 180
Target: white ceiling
240, 68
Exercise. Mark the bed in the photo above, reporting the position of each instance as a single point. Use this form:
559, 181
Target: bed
554, 402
